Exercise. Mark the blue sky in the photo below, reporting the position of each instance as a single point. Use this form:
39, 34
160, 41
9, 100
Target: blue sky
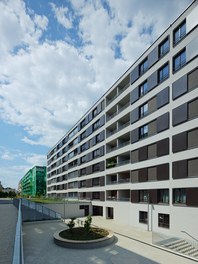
57, 58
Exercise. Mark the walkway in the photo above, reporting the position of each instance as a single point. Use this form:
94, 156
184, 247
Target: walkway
8, 220
39, 247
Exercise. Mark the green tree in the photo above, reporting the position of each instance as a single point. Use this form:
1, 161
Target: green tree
87, 224
71, 224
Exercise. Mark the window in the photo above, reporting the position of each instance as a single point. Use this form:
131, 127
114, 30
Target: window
95, 112
96, 125
83, 135
143, 196
96, 196
179, 32
98, 138
179, 60
164, 47
179, 196
83, 147
143, 217
163, 196
96, 153
163, 220
83, 171
143, 131
143, 110
96, 181
143, 67
163, 73
70, 155
73, 132
143, 88
83, 159
83, 123
96, 167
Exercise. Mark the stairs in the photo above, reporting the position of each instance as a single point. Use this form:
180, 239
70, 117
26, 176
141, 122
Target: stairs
183, 247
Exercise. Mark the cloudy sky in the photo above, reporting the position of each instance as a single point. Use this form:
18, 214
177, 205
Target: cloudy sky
57, 58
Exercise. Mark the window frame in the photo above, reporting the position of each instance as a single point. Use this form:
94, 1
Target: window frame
179, 197
143, 88
143, 217
162, 75
143, 131
179, 30
181, 61
143, 110
162, 49
162, 221
143, 66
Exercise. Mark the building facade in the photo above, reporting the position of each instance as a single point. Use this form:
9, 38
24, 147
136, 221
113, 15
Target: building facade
134, 154
34, 182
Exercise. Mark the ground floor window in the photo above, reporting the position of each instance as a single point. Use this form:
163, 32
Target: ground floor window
143, 217
163, 220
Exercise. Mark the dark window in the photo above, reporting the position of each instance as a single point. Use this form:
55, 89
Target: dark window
83, 123
83, 135
143, 217
96, 125
83, 147
179, 60
143, 131
96, 196
179, 32
96, 181
164, 47
98, 138
163, 220
96, 167
179, 196
163, 196
143, 196
144, 110
163, 73
83, 159
143, 88
143, 67
83, 171
95, 112
96, 153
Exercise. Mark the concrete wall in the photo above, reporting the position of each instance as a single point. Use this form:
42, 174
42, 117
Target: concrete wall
69, 209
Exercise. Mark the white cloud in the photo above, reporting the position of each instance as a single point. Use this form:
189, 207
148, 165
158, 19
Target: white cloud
62, 15
47, 87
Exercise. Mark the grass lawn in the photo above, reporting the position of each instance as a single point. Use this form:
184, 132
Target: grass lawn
79, 233
45, 200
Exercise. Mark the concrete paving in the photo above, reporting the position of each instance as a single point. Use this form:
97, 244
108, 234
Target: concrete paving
8, 220
40, 248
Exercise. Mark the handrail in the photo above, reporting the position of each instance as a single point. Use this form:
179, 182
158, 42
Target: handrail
18, 244
189, 235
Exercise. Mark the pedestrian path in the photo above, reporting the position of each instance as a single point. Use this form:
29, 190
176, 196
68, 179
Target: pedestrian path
8, 220
40, 248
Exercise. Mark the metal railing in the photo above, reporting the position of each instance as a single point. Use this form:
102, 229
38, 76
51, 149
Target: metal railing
18, 244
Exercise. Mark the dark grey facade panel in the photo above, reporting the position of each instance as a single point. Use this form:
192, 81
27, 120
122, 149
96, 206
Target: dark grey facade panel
163, 97
102, 151
163, 172
135, 135
90, 116
179, 87
134, 95
143, 153
87, 119
102, 166
153, 57
89, 131
179, 142
143, 175
135, 196
163, 122
134, 74
163, 147
134, 115
193, 80
152, 80
191, 196
180, 169
102, 181
99, 108
102, 120
102, 135
180, 114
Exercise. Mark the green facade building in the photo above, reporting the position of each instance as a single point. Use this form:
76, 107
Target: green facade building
34, 182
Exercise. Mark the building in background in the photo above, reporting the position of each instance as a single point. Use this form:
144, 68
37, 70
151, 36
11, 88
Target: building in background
134, 154
34, 182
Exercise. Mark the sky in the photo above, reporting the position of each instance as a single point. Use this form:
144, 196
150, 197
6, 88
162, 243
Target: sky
58, 57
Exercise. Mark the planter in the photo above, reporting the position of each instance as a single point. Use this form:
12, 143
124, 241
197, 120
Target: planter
83, 244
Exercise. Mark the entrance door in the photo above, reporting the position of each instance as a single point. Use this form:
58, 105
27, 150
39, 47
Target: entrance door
86, 207
110, 212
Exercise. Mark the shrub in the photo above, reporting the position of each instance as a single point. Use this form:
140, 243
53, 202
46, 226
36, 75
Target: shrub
87, 224
71, 224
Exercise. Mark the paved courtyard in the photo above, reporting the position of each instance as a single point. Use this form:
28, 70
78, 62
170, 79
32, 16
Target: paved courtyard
39, 247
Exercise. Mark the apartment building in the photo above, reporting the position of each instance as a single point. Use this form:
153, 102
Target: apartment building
134, 154
33, 182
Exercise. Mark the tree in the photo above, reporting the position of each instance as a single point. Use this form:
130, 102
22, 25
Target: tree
71, 224
87, 224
